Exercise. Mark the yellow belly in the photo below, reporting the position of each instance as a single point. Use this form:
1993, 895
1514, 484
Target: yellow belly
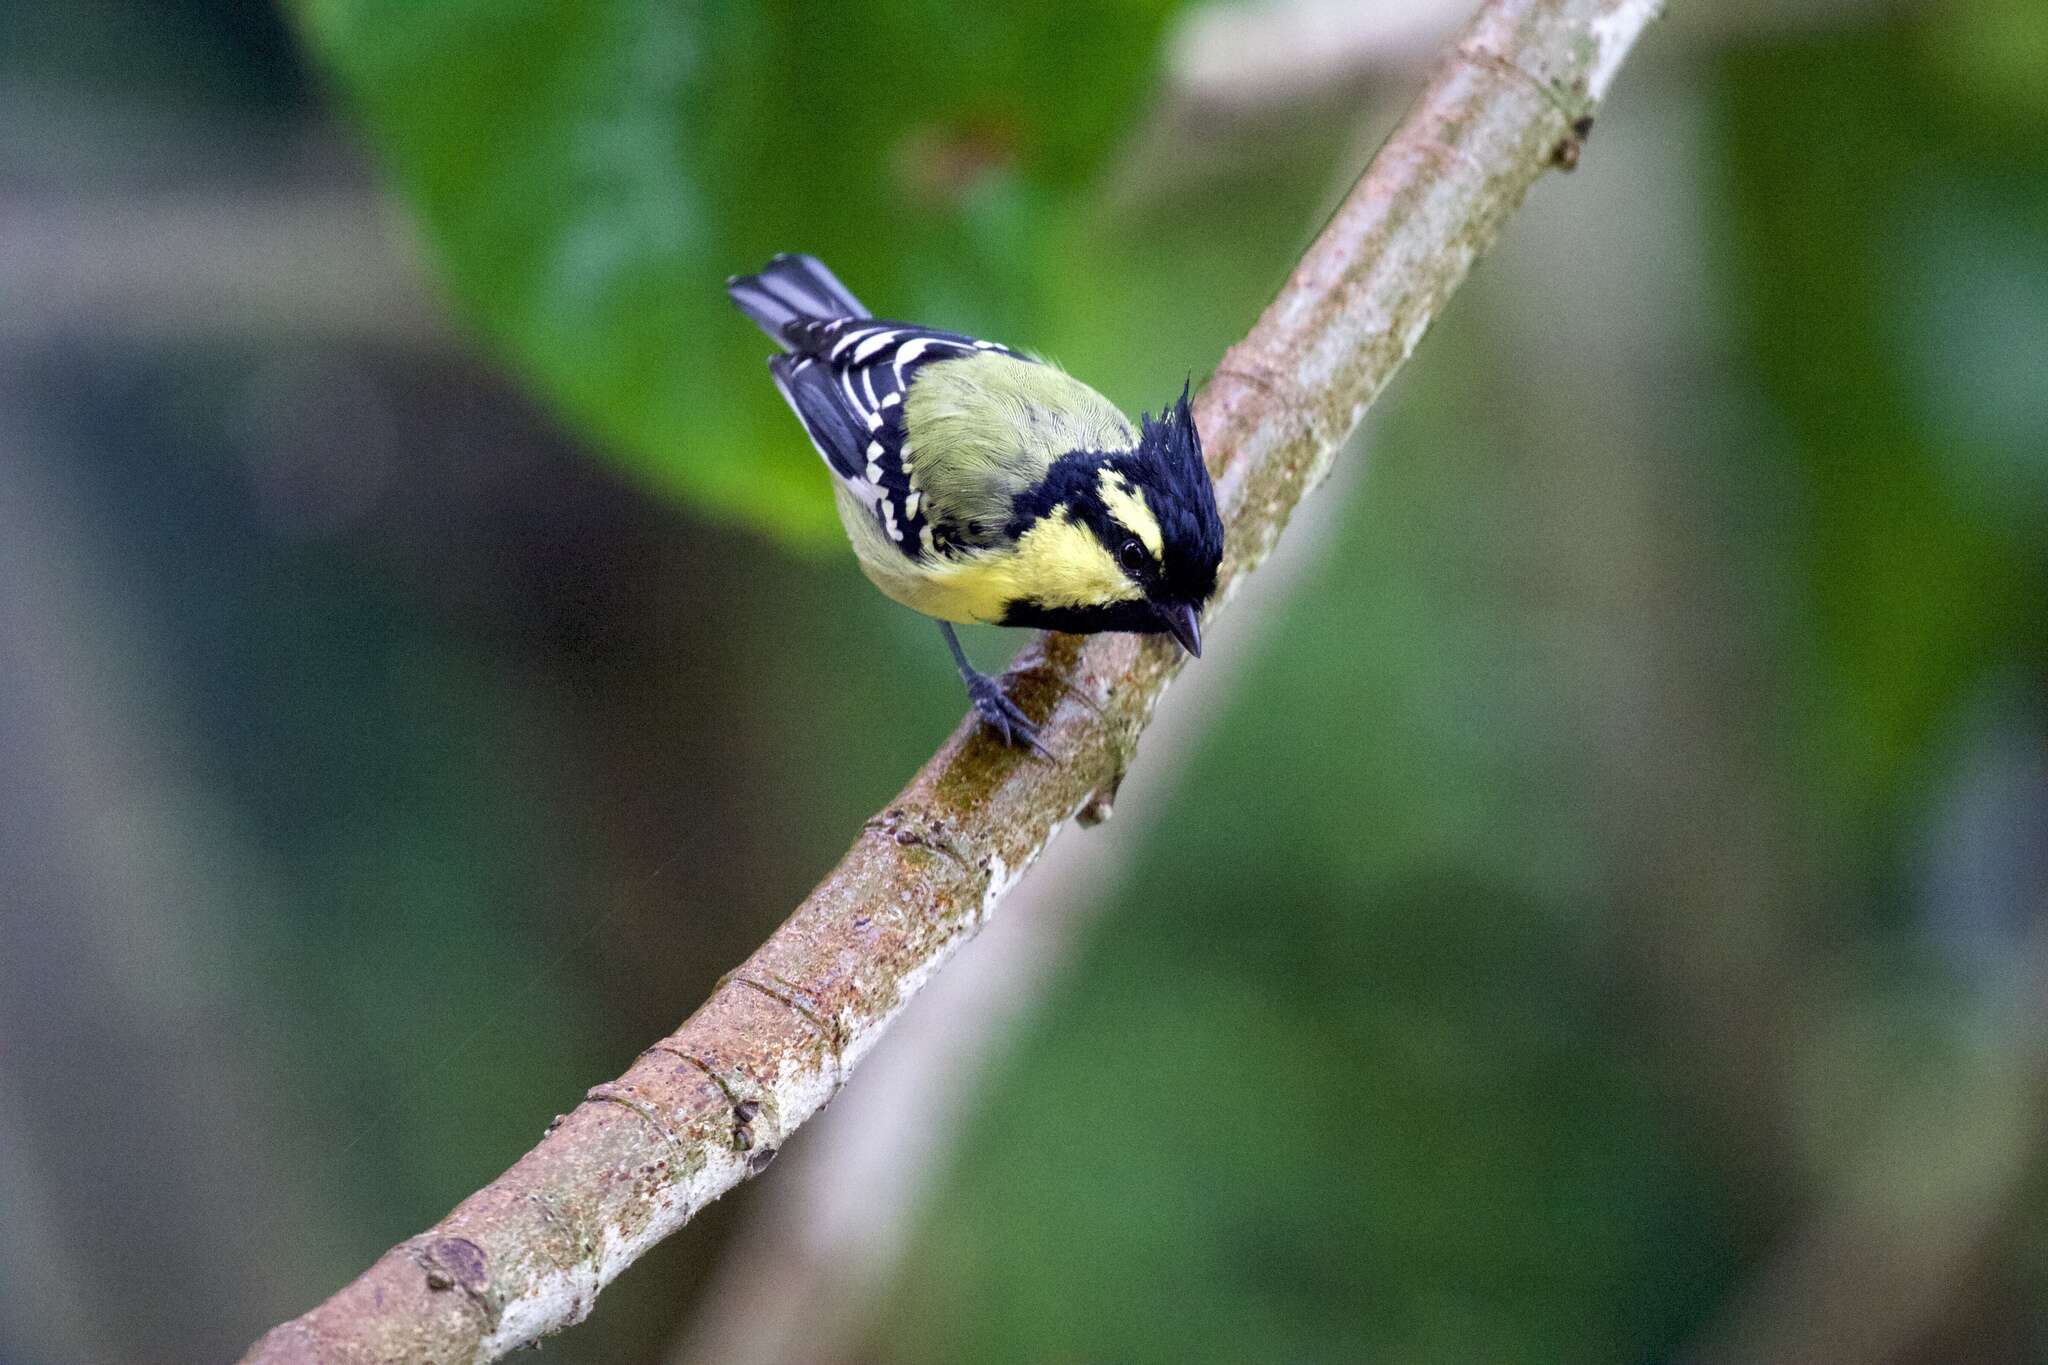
952, 591
1055, 564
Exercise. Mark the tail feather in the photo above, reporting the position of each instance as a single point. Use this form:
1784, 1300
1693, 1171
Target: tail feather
790, 289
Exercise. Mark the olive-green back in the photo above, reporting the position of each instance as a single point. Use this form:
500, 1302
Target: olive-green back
985, 427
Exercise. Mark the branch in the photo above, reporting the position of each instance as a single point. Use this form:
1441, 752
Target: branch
708, 1106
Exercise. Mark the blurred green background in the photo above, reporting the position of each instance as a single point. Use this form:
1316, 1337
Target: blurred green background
1595, 913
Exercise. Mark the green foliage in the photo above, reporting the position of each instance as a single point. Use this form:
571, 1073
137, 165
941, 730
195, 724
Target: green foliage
588, 174
1888, 247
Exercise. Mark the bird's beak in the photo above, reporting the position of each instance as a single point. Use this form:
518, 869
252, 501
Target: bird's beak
1185, 621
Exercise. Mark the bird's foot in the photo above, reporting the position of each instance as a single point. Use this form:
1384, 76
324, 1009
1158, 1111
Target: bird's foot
1001, 715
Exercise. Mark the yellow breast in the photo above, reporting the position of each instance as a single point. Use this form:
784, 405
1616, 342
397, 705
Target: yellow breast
1057, 563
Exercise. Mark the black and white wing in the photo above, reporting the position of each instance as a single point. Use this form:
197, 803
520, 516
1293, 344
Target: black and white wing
846, 376
847, 379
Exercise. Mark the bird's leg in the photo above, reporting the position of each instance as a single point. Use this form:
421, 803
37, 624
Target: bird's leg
997, 711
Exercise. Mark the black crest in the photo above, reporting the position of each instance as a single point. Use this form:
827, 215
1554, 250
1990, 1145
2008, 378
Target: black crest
1184, 500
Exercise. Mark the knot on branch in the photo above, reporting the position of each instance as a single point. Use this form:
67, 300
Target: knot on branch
1573, 103
1564, 153
744, 1111
457, 1263
911, 828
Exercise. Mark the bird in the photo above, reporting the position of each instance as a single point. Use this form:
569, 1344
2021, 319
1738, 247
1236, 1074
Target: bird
982, 485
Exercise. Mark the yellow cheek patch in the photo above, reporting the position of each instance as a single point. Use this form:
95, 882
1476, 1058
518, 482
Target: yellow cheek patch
1062, 564
1128, 506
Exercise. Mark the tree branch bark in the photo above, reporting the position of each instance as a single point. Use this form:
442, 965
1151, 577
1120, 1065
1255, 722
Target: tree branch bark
708, 1106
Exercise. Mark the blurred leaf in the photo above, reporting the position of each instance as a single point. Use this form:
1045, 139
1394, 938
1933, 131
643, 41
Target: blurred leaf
1835, 147
1992, 53
588, 174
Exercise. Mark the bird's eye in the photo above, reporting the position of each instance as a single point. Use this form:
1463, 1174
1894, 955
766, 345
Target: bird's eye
1132, 556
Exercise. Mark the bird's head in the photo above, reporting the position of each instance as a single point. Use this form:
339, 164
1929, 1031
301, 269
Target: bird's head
1125, 540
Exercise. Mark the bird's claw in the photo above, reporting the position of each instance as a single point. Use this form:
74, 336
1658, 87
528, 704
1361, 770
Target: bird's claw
1001, 714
